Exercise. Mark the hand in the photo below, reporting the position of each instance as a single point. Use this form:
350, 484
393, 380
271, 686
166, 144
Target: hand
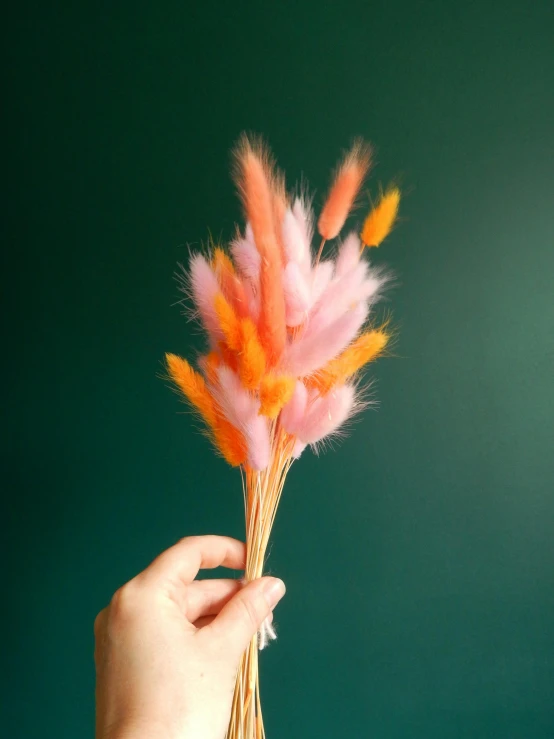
168, 646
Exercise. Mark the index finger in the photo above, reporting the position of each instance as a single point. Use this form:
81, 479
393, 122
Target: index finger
182, 562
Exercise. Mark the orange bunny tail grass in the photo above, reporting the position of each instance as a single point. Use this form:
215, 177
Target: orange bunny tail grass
367, 347
230, 442
252, 358
255, 180
275, 392
230, 284
229, 322
380, 221
344, 190
193, 387
272, 324
227, 439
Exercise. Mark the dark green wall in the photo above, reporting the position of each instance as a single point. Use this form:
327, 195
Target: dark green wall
419, 556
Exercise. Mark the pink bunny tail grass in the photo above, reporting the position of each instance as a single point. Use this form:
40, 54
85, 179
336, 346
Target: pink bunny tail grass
241, 408
204, 287
326, 415
303, 213
321, 277
344, 190
348, 255
309, 353
256, 433
247, 259
297, 294
294, 411
339, 295
295, 243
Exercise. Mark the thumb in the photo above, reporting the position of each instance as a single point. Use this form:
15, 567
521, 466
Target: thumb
242, 616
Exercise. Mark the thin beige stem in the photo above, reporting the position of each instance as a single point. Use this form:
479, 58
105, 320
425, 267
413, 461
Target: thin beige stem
320, 252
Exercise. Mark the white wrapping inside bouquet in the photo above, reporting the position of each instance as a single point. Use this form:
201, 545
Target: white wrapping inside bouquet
266, 634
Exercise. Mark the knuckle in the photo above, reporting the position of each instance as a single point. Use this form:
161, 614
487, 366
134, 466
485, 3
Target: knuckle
123, 603
189, 539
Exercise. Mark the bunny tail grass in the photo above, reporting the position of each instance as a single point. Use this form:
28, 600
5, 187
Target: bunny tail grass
348, 180
380, 221
254, 177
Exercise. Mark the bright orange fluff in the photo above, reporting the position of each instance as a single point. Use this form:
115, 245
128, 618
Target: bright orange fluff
252, 357
193, 387
367, 347
228, 440
230, 284
380, 221
275, 392
346, 186
229, 322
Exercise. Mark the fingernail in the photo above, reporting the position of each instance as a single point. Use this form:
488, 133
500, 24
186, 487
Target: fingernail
273, 590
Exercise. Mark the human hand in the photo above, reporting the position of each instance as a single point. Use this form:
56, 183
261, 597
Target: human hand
168, 646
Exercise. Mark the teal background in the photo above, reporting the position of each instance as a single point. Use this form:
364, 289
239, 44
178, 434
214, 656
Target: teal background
419, 555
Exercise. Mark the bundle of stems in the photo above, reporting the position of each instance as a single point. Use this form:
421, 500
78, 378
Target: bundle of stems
288, 336
262, 492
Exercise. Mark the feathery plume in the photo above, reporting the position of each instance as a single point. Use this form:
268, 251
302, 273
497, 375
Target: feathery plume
348, 180
254, 177
192, 386
326, 415
230, 284
307, 354
228, 322
252, 357
275, 392
380, 221
366, 348
226, 438
204, 288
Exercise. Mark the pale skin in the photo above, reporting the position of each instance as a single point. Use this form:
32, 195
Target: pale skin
168, 646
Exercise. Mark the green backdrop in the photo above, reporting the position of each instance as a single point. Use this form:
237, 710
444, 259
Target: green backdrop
419, 555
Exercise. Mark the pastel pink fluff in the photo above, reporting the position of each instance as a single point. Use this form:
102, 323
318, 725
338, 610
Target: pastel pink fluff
336, 299
247, 258
326, 415
297, 248
348, 255
204, 287
322, 275
311, 352
297, 294
256, 432
305, 219
241, 408
293, 412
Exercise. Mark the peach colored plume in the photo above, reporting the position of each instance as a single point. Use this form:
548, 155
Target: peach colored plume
255, 181
344, 190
